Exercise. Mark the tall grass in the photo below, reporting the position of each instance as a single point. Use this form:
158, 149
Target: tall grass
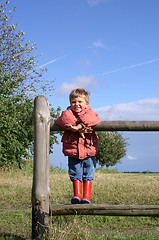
108, 188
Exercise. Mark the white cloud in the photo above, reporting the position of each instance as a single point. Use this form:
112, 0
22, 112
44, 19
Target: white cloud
146, 109
98, 44
93, 3
131, 157
85, 63
86, 82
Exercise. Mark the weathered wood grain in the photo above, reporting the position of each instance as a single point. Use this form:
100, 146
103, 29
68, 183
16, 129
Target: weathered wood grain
118, 126
40, 189
103, 209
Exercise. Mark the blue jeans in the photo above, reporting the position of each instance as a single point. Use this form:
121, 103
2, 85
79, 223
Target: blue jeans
82, 170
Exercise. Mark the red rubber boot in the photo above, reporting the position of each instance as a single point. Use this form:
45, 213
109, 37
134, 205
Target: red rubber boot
77, 188
87, 187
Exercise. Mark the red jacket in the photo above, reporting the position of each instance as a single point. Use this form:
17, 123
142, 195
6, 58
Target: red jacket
73, 144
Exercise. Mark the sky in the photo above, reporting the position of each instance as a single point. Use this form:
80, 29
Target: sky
108, 47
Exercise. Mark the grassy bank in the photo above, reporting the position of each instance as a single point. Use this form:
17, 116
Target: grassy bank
108, 188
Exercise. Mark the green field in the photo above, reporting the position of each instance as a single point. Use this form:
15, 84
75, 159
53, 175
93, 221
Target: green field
109, 188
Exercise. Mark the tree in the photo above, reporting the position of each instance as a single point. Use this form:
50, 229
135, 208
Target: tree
16, 131
112, 147
20, 82
17, 63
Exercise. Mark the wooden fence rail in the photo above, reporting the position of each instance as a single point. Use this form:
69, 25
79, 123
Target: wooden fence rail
103, 209
40, 189
118, 126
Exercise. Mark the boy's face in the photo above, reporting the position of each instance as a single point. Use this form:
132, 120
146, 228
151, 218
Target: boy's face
78, 104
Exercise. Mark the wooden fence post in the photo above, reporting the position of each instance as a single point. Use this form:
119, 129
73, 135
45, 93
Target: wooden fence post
40, 189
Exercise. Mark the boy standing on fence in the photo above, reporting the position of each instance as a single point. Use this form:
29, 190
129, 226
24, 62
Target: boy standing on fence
80, 143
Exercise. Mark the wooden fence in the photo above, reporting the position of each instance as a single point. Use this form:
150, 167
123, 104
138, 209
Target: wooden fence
40, 189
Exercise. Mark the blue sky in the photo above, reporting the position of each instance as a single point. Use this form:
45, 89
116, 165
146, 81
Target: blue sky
109, 47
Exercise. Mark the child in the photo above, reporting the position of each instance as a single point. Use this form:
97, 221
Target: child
80, 143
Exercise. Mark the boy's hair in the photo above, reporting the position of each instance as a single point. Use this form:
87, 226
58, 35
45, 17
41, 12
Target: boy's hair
79, 92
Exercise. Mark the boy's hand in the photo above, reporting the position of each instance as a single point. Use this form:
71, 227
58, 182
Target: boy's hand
73, 128
86, 130
79, 128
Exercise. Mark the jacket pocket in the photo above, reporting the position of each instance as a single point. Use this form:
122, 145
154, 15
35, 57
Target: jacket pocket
91, 140
69, 139
70, 142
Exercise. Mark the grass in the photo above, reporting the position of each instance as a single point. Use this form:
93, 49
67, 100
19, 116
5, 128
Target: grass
109, 188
